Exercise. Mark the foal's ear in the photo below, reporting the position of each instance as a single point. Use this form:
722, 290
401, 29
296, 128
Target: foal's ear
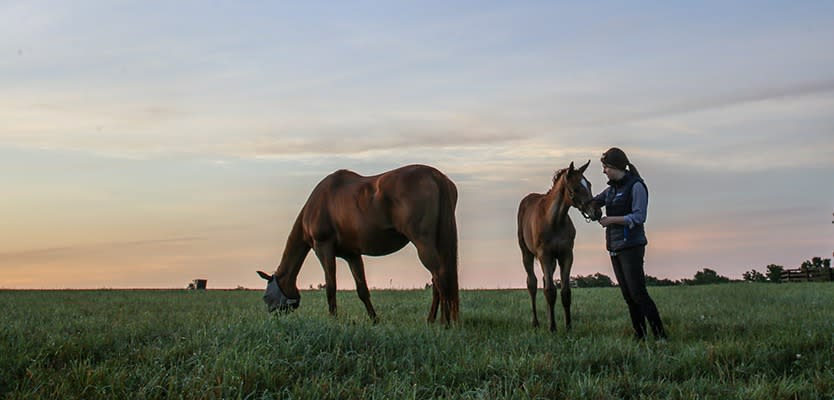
265, 275
584, 167
570, 168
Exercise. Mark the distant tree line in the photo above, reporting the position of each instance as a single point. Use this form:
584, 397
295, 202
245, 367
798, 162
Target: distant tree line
595, 280
706, 276
774, 272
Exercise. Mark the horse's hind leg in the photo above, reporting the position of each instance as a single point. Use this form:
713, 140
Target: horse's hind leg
357, 268
435, 301
565, 263
440, 292
548, 267
532, 284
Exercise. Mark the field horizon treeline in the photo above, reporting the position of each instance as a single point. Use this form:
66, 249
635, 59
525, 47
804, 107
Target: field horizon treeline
707, 276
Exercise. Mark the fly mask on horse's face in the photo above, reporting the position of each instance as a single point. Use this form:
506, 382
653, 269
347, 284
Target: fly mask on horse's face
275, 298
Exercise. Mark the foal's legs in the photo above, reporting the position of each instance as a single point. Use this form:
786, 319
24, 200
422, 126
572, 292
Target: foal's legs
565, 263
527, 259
548, 267
325, 253
357, 267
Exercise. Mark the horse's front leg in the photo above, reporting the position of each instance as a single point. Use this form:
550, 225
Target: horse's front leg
357, 268
548, 267
326, 255
532, 282
565, 263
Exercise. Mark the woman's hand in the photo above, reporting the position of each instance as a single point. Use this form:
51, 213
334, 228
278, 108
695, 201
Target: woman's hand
606, 221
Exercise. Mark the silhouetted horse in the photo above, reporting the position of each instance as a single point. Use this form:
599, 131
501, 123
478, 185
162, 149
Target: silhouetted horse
546, 232
349, 215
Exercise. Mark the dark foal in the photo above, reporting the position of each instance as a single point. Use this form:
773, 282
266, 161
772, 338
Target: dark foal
546, 233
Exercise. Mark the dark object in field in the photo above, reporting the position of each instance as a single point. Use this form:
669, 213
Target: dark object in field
198, 284
546, 232
348, 215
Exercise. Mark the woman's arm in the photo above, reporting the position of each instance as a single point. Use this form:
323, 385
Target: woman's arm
605, 221
639, 205
599, 200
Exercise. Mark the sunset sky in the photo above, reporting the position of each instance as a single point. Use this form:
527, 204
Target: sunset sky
145, 144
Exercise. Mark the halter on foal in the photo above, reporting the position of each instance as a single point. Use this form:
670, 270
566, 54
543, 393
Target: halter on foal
546, 233
348, 215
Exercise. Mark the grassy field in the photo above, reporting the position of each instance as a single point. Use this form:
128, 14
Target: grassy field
744, 341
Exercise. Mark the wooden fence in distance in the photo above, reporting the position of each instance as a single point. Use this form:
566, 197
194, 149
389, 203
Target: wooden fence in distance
804, 275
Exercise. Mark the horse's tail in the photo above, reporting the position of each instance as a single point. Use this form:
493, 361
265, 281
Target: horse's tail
447, 242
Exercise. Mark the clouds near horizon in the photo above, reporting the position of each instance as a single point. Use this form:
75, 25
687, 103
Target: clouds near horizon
126, 128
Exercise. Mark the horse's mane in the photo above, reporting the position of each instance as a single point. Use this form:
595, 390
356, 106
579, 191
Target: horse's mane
556, 176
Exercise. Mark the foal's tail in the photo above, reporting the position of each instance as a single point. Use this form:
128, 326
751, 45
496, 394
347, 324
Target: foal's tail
447, 244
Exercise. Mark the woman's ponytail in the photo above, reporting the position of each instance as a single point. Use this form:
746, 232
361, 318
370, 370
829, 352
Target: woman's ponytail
633, 170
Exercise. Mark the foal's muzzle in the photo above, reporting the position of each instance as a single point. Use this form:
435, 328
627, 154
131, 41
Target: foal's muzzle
589, 212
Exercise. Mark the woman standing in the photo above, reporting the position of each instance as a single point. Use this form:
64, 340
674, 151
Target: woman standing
625, 200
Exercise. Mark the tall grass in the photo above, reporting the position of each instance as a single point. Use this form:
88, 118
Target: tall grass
745, 341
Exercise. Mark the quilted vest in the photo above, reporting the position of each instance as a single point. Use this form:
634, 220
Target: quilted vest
617, 204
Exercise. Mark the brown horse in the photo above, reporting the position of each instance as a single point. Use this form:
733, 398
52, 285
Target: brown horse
546, 232
349, 215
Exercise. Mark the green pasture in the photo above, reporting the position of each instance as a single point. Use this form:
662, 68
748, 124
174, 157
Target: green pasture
740, 340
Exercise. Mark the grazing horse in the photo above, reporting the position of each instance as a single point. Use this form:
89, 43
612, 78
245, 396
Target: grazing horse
348, 215
546, 232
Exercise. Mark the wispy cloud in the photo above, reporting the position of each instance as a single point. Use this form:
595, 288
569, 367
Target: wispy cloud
724, 99
351, 143
52, 253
